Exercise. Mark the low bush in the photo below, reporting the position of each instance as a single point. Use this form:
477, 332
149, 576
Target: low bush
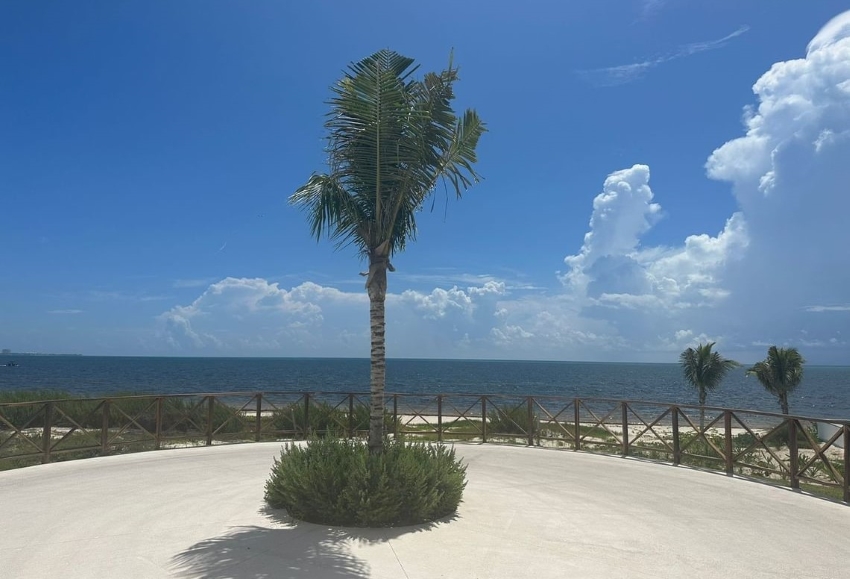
338, 482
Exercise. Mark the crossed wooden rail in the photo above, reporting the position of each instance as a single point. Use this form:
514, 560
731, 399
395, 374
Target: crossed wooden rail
775, 448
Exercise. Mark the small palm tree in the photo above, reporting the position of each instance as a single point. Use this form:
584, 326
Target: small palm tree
391, 140
704, 370
780, 373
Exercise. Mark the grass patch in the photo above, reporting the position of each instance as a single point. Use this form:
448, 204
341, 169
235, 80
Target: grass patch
338, 482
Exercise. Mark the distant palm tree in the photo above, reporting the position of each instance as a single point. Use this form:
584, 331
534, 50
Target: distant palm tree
391, 140
704, 370
780, 373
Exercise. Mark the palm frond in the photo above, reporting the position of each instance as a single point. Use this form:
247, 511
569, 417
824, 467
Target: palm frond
330, 209
391, 139
781, 372
703, 369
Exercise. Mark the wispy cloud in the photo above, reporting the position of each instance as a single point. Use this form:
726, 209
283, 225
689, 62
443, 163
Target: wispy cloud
155, 298
845, 308
625, 73
64, 312
105, 296
650, 7
197, 282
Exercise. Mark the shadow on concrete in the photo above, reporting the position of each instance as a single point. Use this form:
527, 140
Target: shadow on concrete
286, 548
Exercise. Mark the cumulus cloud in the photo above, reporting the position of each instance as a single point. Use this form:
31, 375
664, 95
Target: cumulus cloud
242, 315
626, 73
613, 269
789, 173
254, 315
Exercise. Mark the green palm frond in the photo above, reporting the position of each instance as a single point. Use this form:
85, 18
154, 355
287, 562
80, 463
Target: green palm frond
704, 369
391, 139
781, 372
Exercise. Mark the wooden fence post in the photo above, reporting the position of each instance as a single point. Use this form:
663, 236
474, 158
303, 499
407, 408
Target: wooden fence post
625, 408
306, 414
440, 417
46, 441
530, 421
157, 436
727, 437
395, 415
847, 463
258, 420
577, 412
793, 453
484, 419
677, 450
210, 408
350, 416
104, 428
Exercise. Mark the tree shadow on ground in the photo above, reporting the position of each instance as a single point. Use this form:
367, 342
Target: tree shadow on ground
286, 548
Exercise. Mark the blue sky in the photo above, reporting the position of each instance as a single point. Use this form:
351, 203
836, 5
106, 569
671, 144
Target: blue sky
657, 173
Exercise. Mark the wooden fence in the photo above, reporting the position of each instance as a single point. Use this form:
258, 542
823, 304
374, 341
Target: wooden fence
773, 448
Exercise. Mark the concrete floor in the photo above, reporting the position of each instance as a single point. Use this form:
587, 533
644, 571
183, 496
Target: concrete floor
527, 512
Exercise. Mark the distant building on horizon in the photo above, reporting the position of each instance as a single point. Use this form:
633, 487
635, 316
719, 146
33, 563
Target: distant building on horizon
6, 351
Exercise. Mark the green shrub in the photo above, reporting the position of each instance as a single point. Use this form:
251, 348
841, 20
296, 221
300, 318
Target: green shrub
338, 482
511, 421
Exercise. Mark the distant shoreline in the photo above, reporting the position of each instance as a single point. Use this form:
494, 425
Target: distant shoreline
34, 354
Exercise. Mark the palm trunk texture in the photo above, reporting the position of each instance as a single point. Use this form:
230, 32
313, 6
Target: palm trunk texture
376, 285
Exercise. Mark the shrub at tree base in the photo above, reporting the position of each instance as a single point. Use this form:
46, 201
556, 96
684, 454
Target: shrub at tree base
338, 482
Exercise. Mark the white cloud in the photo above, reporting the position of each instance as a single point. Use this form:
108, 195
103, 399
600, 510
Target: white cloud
192, 283
243, 315
650, 7
439, 301
64, 312
844, 308
613, 269
789, 173
625, 73
509, 334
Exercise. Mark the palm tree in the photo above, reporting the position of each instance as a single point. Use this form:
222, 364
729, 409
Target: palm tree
780, 373
704, 370
391, 140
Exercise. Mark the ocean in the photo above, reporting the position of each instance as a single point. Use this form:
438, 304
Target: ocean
825, 391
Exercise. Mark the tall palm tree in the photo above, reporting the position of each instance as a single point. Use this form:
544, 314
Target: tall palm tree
391, 140
780, 373
704, 370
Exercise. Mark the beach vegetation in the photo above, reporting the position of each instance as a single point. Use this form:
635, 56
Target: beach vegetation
391, 139
27, 409
325, 419
780, 373
705, 370
514, 420
333, 481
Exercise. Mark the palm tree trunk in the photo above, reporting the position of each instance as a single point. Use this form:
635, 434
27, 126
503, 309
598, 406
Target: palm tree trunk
783, 402
702, 394
376, 285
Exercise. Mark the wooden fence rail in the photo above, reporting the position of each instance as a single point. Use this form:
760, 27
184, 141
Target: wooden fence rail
775, 448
